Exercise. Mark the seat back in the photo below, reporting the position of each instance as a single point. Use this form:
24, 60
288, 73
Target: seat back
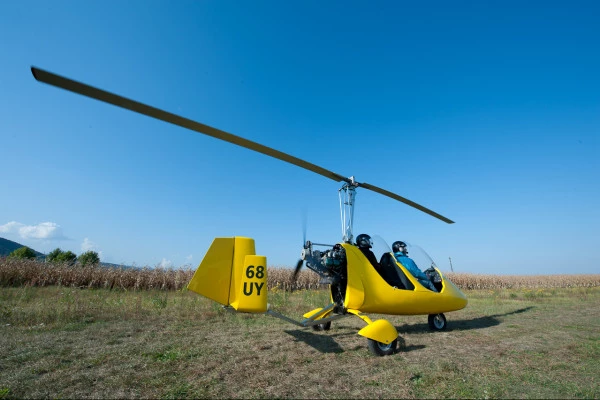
393, 275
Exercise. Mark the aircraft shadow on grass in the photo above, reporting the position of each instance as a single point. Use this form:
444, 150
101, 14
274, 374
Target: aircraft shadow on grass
463, 324
325, 343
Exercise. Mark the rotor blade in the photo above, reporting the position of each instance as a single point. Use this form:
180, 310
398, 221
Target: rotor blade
119, 101
405, 201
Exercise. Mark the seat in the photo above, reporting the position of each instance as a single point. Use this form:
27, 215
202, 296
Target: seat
393, 275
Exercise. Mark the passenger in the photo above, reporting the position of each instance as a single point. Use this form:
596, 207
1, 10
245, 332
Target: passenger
401, 254
364, 243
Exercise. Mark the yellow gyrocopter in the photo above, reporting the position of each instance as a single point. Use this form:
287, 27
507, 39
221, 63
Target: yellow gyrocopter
233, 275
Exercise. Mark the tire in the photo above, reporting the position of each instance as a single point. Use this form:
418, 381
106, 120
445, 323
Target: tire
437, 322
322, 327
382, 349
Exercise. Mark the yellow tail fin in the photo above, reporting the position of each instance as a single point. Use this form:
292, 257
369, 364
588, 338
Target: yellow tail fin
233, 275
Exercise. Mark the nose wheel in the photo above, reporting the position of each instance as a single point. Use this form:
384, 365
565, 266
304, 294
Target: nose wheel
382, 349
437, 322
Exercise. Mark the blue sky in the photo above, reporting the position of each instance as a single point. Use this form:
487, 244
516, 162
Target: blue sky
486, 112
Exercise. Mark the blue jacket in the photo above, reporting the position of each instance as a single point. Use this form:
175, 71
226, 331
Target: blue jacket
410, 265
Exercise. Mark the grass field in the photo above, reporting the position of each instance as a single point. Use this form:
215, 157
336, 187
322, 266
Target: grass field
64, 342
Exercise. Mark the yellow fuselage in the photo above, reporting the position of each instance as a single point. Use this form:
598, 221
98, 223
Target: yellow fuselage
368, 292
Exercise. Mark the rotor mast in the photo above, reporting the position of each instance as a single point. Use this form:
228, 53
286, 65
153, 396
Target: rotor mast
347, 195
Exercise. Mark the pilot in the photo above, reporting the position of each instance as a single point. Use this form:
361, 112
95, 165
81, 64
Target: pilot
401, 254
364, 243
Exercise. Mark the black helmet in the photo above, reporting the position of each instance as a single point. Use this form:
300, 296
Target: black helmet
364, 241
399, 247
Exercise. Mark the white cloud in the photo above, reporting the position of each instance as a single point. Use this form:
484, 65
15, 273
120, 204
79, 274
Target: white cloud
45, 230
88, 245
189, 258
10, 227
165, 263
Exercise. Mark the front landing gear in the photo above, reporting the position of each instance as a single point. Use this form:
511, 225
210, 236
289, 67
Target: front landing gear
382, 349
437, 322
382, 336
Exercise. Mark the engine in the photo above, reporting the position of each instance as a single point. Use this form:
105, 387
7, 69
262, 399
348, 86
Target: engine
329, 264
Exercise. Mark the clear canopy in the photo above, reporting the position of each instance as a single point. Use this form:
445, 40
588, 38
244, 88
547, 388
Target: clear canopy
417, 253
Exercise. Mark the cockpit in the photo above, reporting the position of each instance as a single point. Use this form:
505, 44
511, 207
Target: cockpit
396, 276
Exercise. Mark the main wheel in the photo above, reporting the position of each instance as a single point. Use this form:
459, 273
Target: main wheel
382, 349
322, 327
437, 322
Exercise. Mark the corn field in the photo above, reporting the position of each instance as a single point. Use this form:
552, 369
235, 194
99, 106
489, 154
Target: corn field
15, 272
480, 281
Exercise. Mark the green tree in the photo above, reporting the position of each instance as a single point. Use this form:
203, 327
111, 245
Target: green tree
88, 258
67, 257
23, 252
53, 255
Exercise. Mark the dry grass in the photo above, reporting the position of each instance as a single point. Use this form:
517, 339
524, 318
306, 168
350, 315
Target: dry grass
61, 342
14, 272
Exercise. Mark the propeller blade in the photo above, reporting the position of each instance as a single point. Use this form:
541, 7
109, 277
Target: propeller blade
297, 269
135, 106
304, 223
405, 201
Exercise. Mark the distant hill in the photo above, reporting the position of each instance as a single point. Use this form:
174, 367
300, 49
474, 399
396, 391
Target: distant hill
8, 246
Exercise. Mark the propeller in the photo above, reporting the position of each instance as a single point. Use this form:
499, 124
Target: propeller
301, 260
132, 105
297, 269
